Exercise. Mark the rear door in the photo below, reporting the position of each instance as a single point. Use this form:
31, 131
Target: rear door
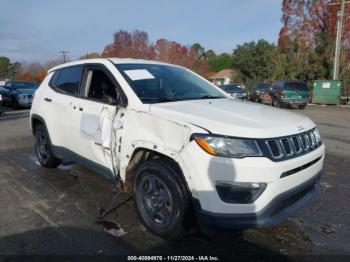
58, 103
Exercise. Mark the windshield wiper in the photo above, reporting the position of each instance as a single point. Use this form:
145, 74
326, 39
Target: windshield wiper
158, 99
209, 97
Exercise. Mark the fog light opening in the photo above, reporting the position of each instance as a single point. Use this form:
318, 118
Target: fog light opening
239, 193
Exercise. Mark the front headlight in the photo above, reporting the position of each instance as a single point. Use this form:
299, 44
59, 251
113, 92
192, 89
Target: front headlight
317, 136
22, 96
227, 146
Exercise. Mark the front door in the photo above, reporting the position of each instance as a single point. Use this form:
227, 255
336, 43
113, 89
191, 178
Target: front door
99, 111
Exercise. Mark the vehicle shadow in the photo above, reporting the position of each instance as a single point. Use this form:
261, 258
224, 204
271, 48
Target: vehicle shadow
83, 242
65, 240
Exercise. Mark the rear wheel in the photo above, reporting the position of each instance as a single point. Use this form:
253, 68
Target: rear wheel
276, 103
43, 148
161, 198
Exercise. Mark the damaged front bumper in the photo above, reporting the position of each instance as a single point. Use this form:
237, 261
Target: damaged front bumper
279, 209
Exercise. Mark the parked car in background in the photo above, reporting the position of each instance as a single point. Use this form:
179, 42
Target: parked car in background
19, 93
235, 91
260, 93
1, 110
287, 93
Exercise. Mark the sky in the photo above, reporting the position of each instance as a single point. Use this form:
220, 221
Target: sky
36, 30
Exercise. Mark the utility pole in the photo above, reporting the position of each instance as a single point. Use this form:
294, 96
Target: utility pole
64, 54
340, 16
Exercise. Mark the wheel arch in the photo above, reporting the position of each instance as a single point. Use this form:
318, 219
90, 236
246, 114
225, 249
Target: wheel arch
142, 154
35, 121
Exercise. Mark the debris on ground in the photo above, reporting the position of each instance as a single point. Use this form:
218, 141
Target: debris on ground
75, 173
112, 228
67, 165
327, 230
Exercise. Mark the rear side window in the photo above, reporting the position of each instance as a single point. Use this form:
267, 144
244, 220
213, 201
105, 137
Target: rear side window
68, 79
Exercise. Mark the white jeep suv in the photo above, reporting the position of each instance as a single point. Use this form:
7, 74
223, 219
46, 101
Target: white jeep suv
186, 149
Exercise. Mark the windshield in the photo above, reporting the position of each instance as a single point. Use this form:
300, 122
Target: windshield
232, 88
25, 85
295, 86
154, 83
262, 86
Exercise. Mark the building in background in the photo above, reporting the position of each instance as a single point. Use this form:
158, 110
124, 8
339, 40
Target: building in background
223, 77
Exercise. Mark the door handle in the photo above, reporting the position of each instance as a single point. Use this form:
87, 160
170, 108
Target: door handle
48, 99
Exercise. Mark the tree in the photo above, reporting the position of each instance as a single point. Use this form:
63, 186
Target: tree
4, 67
132, 45
302, 21
254, 61
222, 61
137, 45
200, 50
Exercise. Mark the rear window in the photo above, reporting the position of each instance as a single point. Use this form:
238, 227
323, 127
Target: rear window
68, 79
295, 86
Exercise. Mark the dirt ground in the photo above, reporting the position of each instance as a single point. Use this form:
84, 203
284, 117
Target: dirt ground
54, 212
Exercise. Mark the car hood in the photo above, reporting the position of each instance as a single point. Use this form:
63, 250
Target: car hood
234, 118
25, 91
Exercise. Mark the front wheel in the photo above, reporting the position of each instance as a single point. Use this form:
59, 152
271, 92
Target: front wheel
43, 148
161, 198
15, 103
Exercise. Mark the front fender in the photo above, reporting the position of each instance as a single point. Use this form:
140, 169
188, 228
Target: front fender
144, 130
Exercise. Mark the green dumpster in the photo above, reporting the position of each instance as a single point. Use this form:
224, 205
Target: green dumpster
326, 92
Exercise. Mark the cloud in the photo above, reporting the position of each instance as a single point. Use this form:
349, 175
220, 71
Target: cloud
18, 44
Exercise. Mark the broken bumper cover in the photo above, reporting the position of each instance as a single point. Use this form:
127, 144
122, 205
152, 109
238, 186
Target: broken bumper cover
278, 210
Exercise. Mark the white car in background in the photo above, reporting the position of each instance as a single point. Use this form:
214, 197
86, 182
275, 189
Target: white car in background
186, 149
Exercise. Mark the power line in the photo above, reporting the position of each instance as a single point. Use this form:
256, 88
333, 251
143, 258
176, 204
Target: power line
64, 54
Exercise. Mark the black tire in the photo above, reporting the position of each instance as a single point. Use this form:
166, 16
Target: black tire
276, 103
302, 107
161, 198
15, 104
43, 148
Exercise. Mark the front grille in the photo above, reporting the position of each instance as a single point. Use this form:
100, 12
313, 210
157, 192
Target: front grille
287, 202
283, 148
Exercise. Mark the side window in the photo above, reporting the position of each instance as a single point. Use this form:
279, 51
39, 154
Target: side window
99, 87
68, 79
